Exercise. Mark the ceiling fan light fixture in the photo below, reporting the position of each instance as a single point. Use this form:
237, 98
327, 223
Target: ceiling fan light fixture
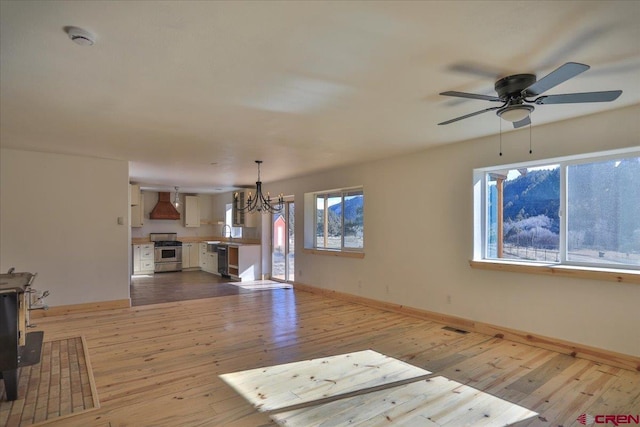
515, 113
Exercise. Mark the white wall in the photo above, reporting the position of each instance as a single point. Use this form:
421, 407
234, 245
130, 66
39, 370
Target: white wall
58, 218
419, 231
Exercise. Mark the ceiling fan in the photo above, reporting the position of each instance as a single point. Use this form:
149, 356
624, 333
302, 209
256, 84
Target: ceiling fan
519, 91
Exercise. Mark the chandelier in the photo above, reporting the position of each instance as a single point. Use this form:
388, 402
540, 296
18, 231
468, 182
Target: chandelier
259, 202
176, 199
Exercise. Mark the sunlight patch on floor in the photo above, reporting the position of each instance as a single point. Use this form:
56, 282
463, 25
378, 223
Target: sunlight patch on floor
256, 285
368, 388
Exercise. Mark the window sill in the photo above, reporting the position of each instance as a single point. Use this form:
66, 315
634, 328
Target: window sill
329, 252
607, 274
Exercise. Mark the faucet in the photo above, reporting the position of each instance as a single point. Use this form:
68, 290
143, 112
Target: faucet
224, 229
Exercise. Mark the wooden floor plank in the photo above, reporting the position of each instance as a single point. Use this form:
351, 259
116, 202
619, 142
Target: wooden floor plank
622, 397
437, 401
275, 387
534, 379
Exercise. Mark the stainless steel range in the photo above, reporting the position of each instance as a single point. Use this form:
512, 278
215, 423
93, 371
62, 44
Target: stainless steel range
167, 252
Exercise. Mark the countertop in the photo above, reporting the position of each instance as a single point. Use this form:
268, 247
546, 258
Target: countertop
195, 239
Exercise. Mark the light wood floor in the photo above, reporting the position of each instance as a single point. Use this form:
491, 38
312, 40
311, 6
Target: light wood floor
158, 365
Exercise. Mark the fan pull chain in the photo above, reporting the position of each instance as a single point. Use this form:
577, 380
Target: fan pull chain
530, 150
500, 120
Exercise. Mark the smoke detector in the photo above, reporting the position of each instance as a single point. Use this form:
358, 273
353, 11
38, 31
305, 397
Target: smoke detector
80, 36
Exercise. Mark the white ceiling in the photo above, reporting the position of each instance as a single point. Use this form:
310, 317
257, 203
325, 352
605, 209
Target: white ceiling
191, 93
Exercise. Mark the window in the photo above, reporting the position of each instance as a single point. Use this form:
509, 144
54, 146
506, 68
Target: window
529, 218
236, 232
603, 212
339, 220
579, 211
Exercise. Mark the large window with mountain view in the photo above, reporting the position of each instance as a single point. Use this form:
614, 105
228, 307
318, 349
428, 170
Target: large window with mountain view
579, 211
339, 220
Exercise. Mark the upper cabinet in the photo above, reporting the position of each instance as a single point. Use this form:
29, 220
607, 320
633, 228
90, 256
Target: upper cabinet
134, 194
237, 215
191, 211
137, 214
241, 218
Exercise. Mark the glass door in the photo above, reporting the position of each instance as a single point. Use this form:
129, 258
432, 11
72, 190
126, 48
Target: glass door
283, 244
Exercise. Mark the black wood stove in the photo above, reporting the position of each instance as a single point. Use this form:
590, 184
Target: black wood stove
16, 348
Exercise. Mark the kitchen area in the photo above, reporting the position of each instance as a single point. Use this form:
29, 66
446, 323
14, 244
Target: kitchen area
165, 253
179, 237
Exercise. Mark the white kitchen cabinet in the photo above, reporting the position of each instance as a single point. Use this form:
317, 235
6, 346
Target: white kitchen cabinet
134, 194
137, 214
194, 256
186, 251
204, 260
190, 255
136, 259
244, 262
143, 261
208, 260
241, 218
213, 262
191, 211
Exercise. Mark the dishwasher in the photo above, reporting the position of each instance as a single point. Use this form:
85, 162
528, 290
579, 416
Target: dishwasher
223, 260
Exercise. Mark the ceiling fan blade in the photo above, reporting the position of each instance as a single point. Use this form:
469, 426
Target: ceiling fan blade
524, 122
472, 96
573, 98
470, 115
478, 69
554, 78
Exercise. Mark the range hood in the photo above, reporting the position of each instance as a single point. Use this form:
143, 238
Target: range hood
164, 209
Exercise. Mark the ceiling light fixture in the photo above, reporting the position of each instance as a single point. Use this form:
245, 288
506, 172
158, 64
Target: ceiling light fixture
80, 36
176, 198
259, 203
515, 113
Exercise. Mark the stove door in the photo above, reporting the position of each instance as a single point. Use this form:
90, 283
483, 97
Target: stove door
168, 254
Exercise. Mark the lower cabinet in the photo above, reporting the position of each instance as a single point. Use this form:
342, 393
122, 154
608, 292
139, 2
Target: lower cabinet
190, 255
204, 260
208, 260
213, 262
143, 262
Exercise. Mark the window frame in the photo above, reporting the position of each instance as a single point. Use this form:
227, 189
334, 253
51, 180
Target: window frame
234, 232
311, 200
481, 226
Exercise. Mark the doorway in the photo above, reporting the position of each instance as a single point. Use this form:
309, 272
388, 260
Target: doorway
283, 243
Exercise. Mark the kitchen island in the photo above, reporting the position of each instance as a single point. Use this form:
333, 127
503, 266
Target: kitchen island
244, 262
